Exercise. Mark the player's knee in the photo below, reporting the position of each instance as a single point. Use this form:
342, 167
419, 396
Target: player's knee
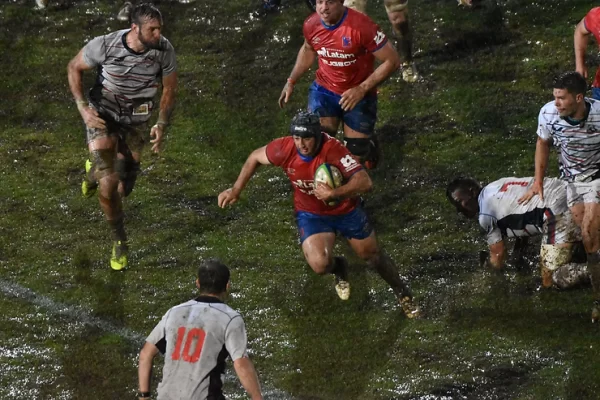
370, 255
319, 263
552, 257
127, 170
365, 149
103, 161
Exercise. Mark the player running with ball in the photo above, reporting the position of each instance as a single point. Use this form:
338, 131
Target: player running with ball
300, 155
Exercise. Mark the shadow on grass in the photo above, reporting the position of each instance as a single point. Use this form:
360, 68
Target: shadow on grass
339, 345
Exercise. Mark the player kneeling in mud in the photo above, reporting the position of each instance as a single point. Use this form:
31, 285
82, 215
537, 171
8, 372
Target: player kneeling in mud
500, 215
300, 155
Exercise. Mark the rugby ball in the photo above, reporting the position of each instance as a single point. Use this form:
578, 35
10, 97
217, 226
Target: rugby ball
331, 176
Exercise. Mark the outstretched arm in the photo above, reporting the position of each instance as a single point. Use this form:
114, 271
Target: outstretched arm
257, 158
248, 377
306, 57
74, 72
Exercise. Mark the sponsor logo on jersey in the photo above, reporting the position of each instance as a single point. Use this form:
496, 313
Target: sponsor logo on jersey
349, 162
334, 54
326, 53
338, 63
304, 186
379, 37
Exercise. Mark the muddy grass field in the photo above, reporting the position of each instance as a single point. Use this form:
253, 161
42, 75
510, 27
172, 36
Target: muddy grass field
70, 328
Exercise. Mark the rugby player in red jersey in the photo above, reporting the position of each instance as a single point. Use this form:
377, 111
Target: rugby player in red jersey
346, 44
588, 26
299, 155
397, 12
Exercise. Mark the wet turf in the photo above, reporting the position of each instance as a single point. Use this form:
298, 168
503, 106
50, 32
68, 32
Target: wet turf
71, 328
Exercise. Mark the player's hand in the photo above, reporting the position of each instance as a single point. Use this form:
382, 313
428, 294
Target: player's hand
582, 69
536, 189
156, 133
351, 97
227, 197
91, 118
286, 93
323, 192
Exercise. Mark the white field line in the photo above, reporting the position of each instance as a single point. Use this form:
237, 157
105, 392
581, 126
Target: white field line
83, 316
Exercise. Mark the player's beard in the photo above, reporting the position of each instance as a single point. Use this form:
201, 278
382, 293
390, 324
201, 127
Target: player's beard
149, 44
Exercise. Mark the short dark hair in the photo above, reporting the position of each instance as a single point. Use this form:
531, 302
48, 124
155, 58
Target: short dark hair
213, 276
143, 12
572, 81
461, 184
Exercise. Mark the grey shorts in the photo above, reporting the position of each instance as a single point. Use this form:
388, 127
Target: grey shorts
583, 192
134, 136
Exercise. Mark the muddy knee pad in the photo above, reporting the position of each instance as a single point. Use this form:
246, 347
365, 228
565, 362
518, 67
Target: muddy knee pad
392, 6
365, 149
552, 257
358, 5
103, 161
128, 170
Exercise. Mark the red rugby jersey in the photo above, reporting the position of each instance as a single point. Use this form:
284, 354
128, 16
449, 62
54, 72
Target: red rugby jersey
301, 171
345, 49
592, 24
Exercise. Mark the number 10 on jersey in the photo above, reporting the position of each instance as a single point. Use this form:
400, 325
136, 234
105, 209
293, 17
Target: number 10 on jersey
192, 340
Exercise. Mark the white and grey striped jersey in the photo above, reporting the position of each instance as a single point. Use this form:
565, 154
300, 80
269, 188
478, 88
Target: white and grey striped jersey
196, 337
127, 81
579, 144
501, 215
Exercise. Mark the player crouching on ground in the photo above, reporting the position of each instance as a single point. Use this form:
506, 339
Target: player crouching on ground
501, 216
299, 155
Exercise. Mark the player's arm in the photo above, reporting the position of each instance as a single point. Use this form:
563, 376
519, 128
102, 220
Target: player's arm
257, 158
167, 103
358, 184
75, 70
145, 366
390, 62
542, 153
248, 378
580, 43
497, 256
305, 59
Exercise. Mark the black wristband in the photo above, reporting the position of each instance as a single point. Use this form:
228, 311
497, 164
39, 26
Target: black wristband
144, 395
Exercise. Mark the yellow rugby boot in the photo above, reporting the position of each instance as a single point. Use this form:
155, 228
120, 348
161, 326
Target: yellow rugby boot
118, 259
88, 189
